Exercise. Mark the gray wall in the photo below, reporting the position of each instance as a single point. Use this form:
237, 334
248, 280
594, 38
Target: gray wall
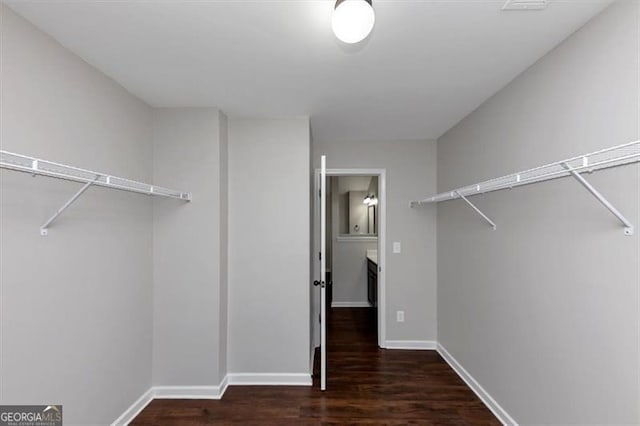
223, 129
189, 248
76, 313
349, 273
269, 246
544, 311
411, 172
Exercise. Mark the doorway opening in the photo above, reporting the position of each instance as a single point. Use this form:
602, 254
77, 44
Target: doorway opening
352, 242
354, 252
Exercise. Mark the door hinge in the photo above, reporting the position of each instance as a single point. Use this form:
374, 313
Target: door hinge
319, 255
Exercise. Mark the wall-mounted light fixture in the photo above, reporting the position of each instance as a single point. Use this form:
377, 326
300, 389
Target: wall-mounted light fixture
370, 200
353, 20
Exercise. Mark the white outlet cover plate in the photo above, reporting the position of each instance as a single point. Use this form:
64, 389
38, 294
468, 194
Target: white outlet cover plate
397, 247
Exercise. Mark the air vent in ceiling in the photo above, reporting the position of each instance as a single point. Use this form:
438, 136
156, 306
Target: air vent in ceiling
525, 5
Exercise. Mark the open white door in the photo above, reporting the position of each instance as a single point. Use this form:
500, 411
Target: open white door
323, 273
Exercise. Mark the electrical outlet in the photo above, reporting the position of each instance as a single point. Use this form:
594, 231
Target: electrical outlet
400, 316
397, 247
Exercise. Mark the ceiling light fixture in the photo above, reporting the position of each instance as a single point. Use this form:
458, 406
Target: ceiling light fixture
353, 20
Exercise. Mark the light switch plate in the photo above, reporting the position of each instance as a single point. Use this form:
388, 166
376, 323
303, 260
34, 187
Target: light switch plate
400, 316
397, 248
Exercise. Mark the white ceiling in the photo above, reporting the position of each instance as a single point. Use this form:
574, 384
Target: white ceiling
426, 65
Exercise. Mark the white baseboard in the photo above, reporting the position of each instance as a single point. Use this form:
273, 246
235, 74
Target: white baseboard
301, 379
135, 409
350, 304
210, 392
191, 392
484, 396
171, 392
268, 379
411, 344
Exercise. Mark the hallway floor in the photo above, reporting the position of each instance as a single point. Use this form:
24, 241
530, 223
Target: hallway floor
366, 385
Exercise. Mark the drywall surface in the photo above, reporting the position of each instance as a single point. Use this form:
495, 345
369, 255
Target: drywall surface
189, 248
76, 312
269, 246
314, 332
349, 272
543, 312
223, 129
411, 275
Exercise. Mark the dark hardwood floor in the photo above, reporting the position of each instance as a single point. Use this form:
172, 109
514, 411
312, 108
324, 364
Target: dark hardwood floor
366, 385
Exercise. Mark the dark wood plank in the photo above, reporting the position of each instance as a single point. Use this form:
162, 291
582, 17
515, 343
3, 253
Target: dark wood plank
366, 385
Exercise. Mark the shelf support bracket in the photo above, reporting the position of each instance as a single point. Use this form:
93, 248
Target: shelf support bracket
44, 229
628, 226
484, 216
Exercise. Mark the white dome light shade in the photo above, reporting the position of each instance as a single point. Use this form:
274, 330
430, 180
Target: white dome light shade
353, 20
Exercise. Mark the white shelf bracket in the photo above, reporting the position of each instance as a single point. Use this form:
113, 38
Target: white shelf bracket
44, 229
484, 216
38, 167
628, 226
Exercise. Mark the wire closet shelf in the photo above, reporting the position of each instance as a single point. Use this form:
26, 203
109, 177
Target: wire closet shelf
609, 157
40, 167
37, 166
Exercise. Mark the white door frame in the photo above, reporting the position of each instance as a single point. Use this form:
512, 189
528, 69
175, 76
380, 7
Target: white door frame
382, 235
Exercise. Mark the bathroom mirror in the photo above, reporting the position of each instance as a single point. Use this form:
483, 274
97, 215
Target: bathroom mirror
355, 206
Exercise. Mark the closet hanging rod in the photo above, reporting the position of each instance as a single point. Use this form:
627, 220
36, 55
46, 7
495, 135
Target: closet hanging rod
37, 166
610, 157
